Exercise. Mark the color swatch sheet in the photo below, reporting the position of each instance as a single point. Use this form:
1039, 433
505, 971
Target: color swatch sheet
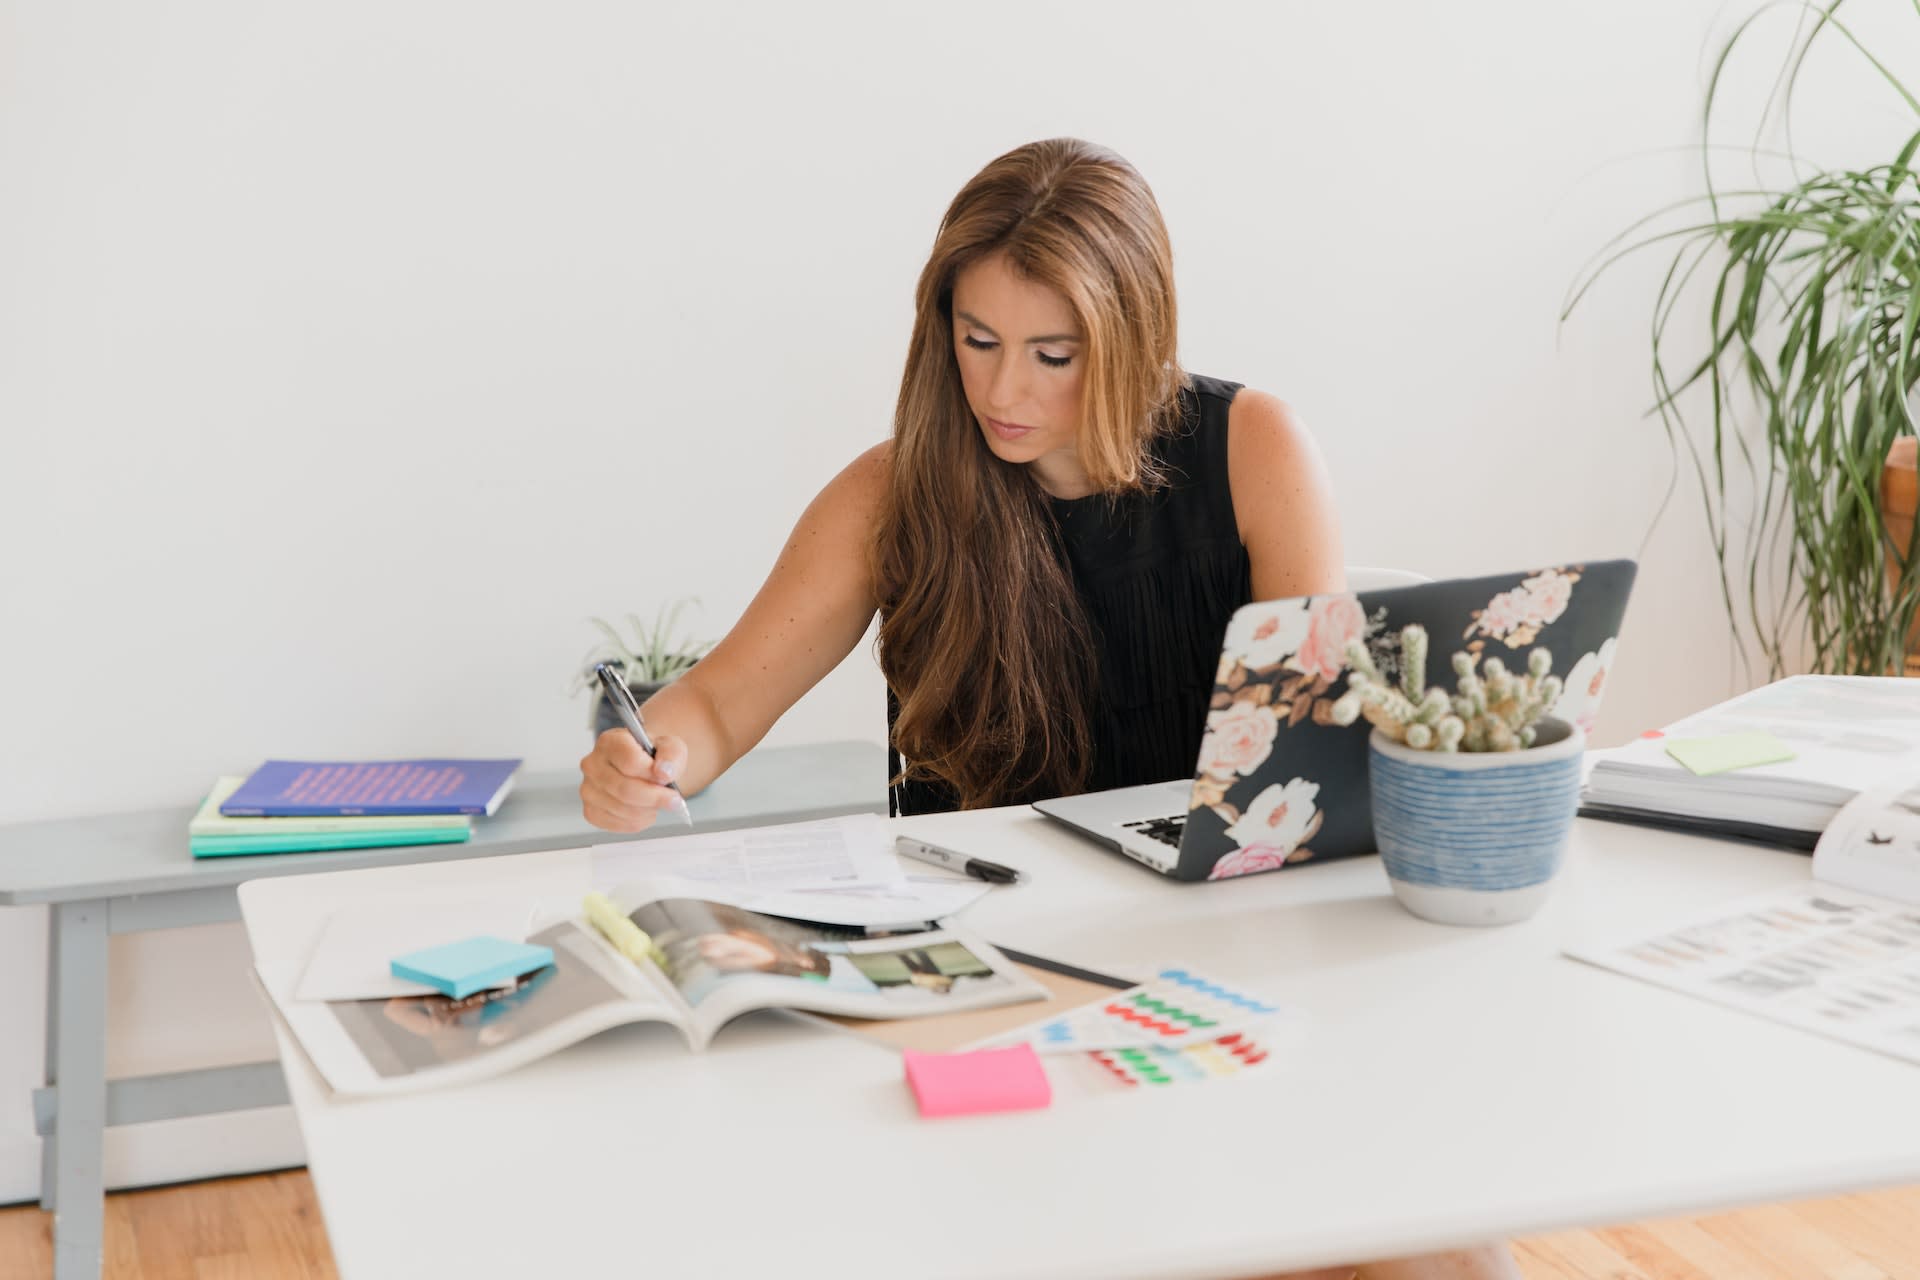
1179, 1028
1176, 1008
1157, 1066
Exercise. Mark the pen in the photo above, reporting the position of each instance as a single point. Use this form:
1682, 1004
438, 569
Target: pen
628, 709
978, 868
628, 938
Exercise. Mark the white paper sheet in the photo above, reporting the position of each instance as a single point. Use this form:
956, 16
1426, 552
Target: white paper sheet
1816, 956
836, 870
921, 900
852, 853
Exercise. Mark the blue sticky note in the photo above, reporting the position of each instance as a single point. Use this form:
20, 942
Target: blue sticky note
470, 965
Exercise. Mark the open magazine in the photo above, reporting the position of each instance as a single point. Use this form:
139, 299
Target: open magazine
713, 962
1838, 954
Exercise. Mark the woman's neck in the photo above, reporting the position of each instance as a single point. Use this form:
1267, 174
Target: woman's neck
1061, 477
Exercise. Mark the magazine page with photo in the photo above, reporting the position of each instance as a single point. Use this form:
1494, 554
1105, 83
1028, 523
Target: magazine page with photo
711, 963
724, 961
409, 1042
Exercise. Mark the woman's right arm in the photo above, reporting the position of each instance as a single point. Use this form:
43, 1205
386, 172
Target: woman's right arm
813, 608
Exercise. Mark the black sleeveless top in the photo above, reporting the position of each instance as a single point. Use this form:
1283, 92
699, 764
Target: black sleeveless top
1158, 575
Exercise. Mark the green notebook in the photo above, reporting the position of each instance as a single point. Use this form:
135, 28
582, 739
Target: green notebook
212, 834
211, 822
298, 842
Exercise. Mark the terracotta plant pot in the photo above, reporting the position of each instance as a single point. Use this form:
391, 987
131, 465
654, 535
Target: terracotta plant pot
1899, 499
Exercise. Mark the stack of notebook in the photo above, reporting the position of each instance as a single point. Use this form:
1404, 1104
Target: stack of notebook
1840, 733
288, 806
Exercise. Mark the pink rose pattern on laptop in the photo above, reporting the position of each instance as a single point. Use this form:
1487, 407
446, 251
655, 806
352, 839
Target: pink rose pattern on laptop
1283, 665
1278, 666
1273, 831
1515, 617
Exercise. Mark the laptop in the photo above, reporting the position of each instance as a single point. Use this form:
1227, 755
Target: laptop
1277, 782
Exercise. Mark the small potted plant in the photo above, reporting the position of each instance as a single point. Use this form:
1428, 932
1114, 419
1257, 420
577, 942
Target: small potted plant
655, 657
1474, 792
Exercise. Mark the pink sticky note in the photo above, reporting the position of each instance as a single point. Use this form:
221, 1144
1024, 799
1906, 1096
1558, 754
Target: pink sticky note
959, 1084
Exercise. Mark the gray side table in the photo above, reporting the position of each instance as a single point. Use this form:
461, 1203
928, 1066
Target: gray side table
129, 872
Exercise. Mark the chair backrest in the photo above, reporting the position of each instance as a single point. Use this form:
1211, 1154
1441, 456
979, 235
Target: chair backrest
1362, 578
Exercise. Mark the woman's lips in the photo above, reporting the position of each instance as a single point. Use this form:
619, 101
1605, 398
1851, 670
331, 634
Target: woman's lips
1008, 430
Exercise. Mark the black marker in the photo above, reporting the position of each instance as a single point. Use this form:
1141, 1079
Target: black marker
978, 868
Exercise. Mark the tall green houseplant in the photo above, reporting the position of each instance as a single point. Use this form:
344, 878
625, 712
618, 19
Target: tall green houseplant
1814, 302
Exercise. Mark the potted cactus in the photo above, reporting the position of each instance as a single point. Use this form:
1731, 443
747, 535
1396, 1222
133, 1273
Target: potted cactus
1474, 791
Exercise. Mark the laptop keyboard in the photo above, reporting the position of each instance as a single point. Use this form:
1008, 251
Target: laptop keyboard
1165, 830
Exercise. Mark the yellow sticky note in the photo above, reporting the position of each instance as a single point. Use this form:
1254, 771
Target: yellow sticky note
626, 936
1728, 751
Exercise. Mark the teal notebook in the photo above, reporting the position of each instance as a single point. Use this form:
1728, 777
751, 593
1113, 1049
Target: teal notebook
314, 841
210, 835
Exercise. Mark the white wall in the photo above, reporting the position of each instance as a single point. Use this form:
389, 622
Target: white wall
351, 355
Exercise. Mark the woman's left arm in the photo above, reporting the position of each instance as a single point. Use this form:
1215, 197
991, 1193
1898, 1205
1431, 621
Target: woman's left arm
1282, 500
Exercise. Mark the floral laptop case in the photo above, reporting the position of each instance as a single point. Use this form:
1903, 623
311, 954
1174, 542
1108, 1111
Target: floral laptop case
1278, 783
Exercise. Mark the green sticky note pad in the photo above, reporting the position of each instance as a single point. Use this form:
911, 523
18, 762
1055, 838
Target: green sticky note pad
1728, 751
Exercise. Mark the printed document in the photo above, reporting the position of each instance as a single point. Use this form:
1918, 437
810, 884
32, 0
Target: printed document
834, 870
842, 854
1838, 954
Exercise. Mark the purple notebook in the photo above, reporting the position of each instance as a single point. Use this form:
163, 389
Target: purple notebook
384, 788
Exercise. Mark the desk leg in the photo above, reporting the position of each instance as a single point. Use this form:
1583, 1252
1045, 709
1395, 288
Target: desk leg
72, 1180
49, 1166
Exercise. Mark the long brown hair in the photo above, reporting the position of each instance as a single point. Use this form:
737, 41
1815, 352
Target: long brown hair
983, 642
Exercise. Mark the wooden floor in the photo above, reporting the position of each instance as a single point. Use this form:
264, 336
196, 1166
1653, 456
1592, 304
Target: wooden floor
267, 1227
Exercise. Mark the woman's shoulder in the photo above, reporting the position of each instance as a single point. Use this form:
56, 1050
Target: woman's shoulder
1236, 401
1260, 420
848, 509
871, 466
1265, 437
1248, 433
1225, 417
863, 482
1216, 390
1282, 498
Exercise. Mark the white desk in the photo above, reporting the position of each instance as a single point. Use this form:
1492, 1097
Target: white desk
1455, 1085
130, 872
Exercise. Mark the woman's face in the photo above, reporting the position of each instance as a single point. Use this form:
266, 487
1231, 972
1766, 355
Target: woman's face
735, 952
1020, 354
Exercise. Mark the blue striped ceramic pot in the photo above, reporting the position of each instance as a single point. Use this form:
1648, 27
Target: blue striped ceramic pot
1475, 837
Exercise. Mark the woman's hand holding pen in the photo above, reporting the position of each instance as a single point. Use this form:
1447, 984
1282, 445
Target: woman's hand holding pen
621, 789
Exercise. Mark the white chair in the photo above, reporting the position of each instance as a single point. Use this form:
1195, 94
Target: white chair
1361, 578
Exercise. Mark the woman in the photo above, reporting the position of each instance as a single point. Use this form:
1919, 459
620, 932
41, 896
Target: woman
1054, 536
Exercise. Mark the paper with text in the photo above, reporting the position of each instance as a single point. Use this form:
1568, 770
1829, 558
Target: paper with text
1817, 956
852, 853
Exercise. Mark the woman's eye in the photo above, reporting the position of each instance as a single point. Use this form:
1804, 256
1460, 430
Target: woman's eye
979, 344
1054, 362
